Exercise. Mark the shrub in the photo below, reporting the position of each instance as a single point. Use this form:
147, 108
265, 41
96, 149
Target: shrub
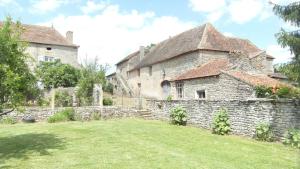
263, 132
283, 92
63, 99
8, 120
107, 102
109, 88
64, 115
43, 102
263, 91
221, 124
96, 116
292, 138
169, 98
178, 116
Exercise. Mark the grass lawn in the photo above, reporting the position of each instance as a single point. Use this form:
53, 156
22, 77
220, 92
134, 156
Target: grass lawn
132, 143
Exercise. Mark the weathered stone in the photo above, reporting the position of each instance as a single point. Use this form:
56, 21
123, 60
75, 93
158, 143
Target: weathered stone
244, 114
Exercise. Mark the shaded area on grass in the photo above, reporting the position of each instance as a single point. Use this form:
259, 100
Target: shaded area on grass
22, 146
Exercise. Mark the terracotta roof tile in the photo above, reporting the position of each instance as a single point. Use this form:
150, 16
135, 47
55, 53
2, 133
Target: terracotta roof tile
212, 68
43, 35
256, 80
204, 37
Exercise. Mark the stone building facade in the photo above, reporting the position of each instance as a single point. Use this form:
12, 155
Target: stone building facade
47, 44
154, 73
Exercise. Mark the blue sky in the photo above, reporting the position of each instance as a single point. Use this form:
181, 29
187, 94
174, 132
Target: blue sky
111, 29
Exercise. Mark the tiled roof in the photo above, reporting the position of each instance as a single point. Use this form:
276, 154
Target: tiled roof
204, 37
212, 68
255, 80
43, 35
129, 57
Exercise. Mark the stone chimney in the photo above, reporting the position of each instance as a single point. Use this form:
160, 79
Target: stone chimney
142, 52
69, 36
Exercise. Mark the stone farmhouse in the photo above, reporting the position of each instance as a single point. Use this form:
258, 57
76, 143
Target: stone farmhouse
200, 63
47, 44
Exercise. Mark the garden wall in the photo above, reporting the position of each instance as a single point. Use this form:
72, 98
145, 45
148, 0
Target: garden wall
244, 115
83, 113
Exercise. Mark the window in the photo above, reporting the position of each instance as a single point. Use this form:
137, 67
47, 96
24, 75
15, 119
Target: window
200, 94
139, 72
179, 90
46, 58
150, 71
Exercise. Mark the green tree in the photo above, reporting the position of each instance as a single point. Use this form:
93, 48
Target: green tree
16, 80
290, 13
56, 74
90, 74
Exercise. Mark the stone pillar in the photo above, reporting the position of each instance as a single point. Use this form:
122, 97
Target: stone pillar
53, 98
97, 95
74, 97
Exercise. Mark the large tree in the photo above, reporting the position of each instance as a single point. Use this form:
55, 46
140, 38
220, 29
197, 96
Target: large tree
290, 13
56, 74
16, 80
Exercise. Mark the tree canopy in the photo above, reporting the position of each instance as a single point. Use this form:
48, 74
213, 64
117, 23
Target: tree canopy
290, 13
56, 74
16, 80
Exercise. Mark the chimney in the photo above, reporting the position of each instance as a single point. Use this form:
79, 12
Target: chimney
69, 36
142, 52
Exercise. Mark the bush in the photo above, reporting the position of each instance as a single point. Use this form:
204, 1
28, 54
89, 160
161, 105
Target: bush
263, 132
63, 99
109, 88
64, 115
292, 138
96, 116
43, 102
169, 98
107, 102
8, 120
221, 124
178, 116
263, 91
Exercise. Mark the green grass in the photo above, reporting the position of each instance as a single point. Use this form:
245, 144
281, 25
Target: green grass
131, 143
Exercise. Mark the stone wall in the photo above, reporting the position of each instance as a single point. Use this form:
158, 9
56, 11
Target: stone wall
222, 87
83, 113
244, 115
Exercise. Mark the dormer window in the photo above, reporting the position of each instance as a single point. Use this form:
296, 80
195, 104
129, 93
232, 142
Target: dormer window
48, 48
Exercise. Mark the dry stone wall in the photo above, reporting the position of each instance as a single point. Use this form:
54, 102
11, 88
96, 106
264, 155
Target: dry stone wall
83, 113
244, 115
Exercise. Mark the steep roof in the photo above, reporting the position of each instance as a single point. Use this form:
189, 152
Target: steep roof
255, 80
204, 37
43, 35
212, 68
128, 57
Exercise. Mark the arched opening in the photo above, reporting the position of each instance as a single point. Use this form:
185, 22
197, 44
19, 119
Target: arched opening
166, 88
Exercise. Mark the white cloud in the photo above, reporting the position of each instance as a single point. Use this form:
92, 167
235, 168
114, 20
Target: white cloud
6, 2
238, 11
206, 5
112, 34
43, 6
282, 55
242, 11
229, 34
92, 7
214, 9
